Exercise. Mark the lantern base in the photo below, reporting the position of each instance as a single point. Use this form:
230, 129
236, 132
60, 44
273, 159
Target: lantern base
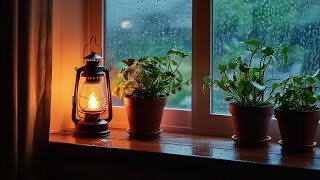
92, 129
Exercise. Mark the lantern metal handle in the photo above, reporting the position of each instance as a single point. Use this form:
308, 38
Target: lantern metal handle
93, 37
75, 96
106, 71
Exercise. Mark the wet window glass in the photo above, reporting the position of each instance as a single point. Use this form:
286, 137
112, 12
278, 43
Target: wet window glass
293, 23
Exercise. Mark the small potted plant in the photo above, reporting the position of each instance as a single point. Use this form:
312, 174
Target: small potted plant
297, 111
243, 80
144, 87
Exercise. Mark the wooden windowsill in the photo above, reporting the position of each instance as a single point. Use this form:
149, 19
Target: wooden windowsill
189, 150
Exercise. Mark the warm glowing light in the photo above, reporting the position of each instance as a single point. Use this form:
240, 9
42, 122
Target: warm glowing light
93, 103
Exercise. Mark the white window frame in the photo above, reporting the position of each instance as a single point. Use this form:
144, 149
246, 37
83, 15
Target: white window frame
198, 120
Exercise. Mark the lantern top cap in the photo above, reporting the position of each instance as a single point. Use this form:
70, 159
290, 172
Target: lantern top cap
93, 55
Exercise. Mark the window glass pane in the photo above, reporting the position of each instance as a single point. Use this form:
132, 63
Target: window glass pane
138, 28
291, 22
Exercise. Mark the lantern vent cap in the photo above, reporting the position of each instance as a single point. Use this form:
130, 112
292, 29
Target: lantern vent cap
93, 55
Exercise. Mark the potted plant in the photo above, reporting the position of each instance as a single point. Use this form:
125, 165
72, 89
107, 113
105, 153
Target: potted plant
243, 80
297, 111
144, 86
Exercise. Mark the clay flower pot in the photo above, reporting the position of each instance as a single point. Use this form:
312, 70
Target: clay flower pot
144, 116
297, 129
251, 124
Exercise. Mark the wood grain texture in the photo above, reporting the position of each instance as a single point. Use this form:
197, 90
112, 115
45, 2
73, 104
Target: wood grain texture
178, 155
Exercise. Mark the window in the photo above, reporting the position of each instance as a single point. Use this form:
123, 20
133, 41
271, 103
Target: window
135, 28
229, 20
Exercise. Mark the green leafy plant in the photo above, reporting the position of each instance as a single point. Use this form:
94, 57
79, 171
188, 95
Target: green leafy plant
244, 80
151, 77
298, 93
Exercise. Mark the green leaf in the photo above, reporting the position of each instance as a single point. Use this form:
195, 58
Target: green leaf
142, 59
175, 52
312, 100
253, 76
156, 58
125, 75
309, 91
187, 83
228, 98
244, 68
168, 73
205, 87
284, 53
258, 86
176, 85
222, 68
253, 42
274, 87
256, 70
245, 87
268, 51
128, 62
311, 80
233, 65
207, 79
221, 85
277, 96
259, 69
287, 94
298, 80
173, 62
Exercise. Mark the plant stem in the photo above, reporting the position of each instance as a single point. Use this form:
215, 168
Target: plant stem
285, 84
178, 66
169, 62
263, 71
253, 53
261, 64
269, 98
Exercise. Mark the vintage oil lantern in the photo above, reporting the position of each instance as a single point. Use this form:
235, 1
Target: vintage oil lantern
92, 96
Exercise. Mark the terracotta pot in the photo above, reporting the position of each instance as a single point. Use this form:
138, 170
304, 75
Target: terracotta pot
297, 129
251, 124
144, 116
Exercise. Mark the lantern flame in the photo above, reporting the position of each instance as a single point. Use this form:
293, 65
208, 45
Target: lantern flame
93, 103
